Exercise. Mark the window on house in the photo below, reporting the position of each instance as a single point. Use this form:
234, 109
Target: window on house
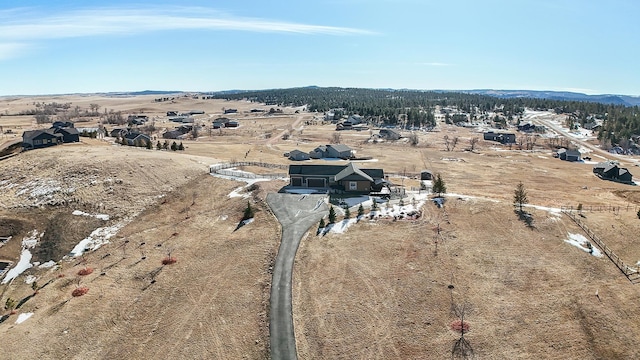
353, 185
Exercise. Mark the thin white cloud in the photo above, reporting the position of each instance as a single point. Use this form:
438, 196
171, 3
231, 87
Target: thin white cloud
433, 64
12, 50
18, 25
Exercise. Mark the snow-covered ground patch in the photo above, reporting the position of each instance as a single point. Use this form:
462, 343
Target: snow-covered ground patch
23, 264
31, 240
49, 264
237, 192
553, 211
104, 217
583, 244
97, 238
23, 317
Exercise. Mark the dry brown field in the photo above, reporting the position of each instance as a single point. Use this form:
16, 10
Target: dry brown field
381, 290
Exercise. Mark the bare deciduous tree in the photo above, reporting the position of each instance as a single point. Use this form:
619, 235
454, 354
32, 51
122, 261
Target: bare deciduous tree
473, 142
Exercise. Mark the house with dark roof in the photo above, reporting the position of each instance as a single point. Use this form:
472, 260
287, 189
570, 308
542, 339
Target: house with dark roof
59, 124
347, 178
173, 134
35, 139
503, 138
118, 132
609, 170
389, 134
137, 139
69, 134
319, 152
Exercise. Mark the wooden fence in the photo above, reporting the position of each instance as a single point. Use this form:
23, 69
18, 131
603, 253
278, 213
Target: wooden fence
631, 272
601, 208
226, 169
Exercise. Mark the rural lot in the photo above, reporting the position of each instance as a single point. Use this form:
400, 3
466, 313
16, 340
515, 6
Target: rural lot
387, 288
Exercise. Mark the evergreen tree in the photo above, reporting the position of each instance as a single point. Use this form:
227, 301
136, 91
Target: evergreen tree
165, 145
321, 226
332, 215
347, 213
248, 212
360, 210
149, 145
374, 205
520, 197
158, 145
439, 186
181, 147
174, 146
638, 214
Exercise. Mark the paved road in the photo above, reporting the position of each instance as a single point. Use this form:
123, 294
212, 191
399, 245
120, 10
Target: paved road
296, 214
544, 118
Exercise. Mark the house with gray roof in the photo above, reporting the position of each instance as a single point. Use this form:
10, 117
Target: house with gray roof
568, 155
297, 155
337, 178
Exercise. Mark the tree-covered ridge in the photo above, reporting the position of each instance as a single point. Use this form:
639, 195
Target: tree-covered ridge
619, 123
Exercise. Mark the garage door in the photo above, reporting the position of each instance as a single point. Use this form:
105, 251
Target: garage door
315, 183
296, 181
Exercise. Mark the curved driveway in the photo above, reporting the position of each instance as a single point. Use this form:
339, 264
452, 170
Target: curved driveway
296, 214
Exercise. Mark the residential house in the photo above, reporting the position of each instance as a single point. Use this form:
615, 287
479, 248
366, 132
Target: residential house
230, 111
69, 134
297, 155
389, 134
173, 134
339, 151
332, 151
137, 139
568, 155
503, 138
35, 139
172, 113
118, 132
609, 170
319, 152
60, 124
348, 178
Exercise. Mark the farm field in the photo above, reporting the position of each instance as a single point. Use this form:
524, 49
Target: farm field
381, 290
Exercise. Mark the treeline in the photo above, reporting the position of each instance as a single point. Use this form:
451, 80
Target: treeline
620, 123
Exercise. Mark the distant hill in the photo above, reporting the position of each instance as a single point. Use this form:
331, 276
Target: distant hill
559, 95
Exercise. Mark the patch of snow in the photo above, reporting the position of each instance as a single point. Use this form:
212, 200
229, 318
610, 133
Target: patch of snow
31, 240
47, 265
30, 279
245, 222
23, 317
582, 243
543, 157
223, 217
97, 238
97, 216
552, 211
23, 264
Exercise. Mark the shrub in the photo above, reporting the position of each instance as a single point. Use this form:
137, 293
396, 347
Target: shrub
169, 260
459, 326
79, 291
85, 271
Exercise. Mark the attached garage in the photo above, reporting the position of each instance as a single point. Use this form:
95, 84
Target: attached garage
316, 183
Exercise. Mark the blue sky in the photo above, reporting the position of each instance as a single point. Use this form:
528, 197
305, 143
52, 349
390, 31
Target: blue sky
53, 47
